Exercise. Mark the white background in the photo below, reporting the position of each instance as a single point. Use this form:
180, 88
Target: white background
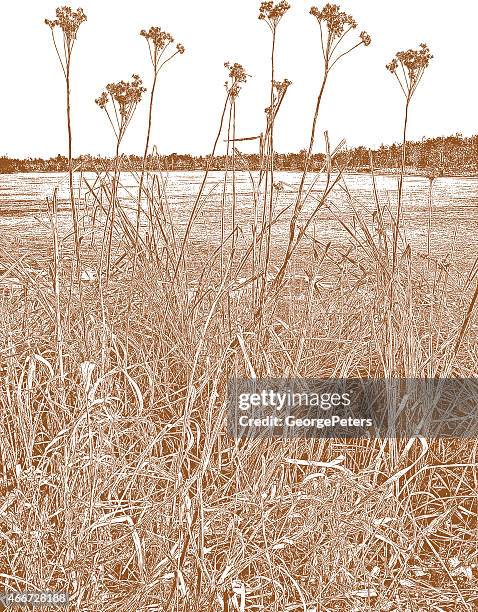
363, 103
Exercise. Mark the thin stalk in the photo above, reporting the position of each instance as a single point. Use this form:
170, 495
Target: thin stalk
298, 204
400, 187
74, 214
197, 202
70, 171
430, 203
57, 291
111, 211
233, 212
271, 164
143, 166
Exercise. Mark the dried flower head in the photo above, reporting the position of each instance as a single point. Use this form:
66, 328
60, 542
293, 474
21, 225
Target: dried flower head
413, 63
334, 26
272, 13
124, 97
237, 75
126, 93
68, 21
158, 42
157, 37
102, 100
336, 20
365, 38
279, 89
281, 86
415, 60
392, 66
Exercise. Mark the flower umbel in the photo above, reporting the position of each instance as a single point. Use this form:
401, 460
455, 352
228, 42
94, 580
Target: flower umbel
158, 43
102, 100
157, 37
124, 97
279, 89
334, 27
413, 64
272, 13
365, 38
126, 94
336, 20
237, 76
68, 21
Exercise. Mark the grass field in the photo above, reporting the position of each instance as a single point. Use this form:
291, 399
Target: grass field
120, 484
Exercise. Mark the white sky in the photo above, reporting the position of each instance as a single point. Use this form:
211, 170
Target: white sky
363, 103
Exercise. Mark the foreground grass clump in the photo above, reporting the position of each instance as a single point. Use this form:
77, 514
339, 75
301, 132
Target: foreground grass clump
121, 486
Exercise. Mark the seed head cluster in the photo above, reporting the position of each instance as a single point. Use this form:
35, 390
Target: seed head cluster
281, 86
335, 19
365, 38
68, 21
158, 41
158, 37
273, 13
237, 76
279, 90
413, 62
337, 25
126, 95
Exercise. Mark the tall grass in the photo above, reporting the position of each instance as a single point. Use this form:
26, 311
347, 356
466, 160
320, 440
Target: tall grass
119, 482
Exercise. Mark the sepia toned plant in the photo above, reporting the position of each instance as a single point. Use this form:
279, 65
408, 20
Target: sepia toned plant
279, 89
408, 67
237, 76
272, 13
119, 101
365, 38
161, 51
337, 21
159, 43
68, 22
157, 38
335, 27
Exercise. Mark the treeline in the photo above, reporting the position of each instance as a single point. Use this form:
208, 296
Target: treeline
443, 155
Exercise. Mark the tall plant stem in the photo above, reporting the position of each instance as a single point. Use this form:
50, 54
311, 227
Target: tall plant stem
197, 203
112, 209
430, 207
298, 204
138, 209
74, 214
271, 164
400, 188
70, 170
143, 166
234, 194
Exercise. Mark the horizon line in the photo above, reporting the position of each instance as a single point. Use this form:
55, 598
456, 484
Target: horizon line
458, 135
